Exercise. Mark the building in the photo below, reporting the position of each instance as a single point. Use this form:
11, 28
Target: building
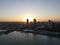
27, 21
49, 24
34, 21
34, 24
27, 24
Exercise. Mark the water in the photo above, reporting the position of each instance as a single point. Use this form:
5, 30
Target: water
21, 38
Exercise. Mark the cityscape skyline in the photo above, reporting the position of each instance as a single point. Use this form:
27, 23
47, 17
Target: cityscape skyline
20, 10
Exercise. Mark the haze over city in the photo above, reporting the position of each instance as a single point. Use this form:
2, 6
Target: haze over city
20, 10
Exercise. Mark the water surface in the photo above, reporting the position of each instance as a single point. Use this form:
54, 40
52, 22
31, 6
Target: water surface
21, 38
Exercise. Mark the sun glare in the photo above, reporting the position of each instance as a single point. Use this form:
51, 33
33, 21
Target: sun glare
28, 17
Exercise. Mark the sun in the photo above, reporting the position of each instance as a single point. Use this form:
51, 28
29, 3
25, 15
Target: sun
28, 17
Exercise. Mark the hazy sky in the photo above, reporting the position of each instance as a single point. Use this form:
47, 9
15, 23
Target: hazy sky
42, 10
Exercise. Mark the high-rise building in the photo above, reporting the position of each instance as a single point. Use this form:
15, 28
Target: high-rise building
34, 20
34, 24
27, 24
49, 24
27, 21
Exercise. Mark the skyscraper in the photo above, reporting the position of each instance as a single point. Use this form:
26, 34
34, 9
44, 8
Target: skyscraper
34, 21
34, 24
27, 21
27, 24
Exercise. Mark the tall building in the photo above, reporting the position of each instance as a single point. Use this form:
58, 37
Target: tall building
34, 24
27, 24
49, 24
27, 21
34, 21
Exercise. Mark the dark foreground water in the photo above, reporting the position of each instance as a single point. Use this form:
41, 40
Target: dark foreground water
21, 38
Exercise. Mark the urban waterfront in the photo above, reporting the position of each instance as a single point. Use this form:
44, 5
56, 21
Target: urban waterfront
22, 38
29, 22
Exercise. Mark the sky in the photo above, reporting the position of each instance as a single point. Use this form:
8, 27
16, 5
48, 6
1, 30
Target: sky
19, 10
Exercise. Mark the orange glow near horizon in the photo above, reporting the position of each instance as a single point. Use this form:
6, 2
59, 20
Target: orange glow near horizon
28, 17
